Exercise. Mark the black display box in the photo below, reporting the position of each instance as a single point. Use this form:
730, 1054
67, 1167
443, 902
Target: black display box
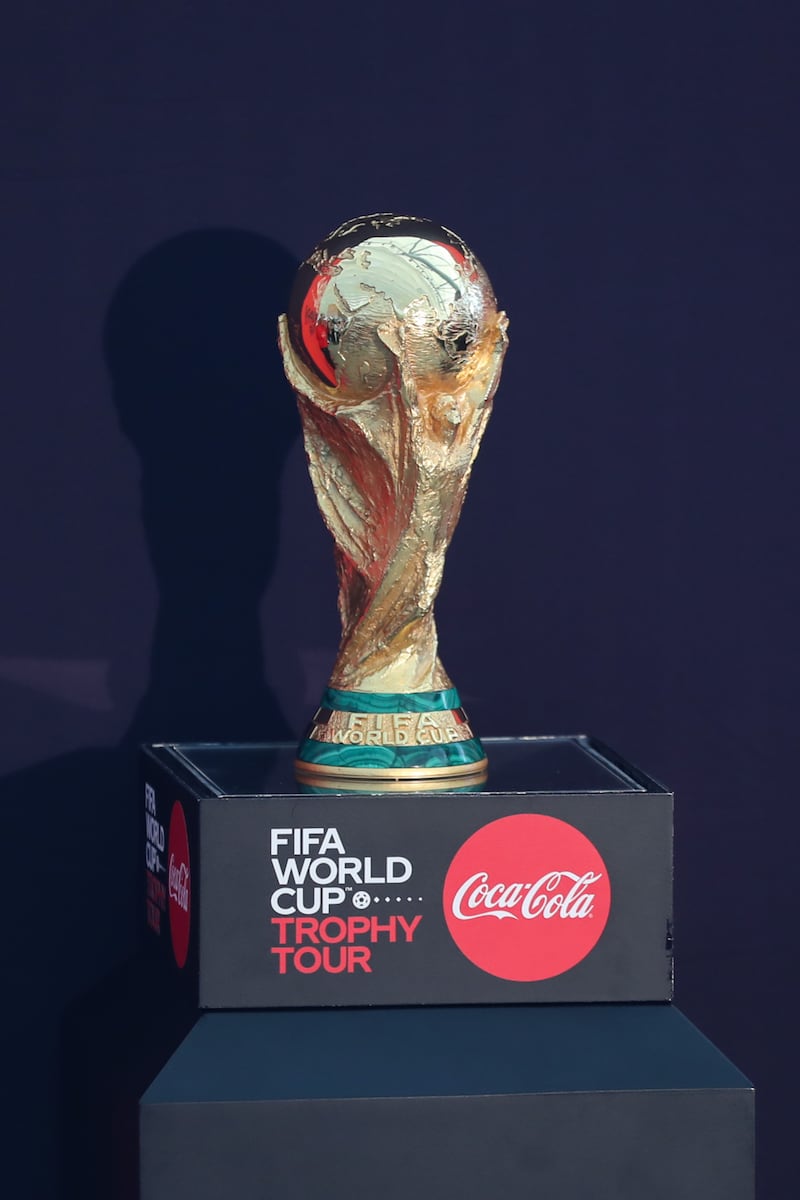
550, 882
575, 1102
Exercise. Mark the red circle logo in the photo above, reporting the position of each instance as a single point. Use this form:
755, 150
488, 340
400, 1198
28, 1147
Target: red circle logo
526, 897
180, 884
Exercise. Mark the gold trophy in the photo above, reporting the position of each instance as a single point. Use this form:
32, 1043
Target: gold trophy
393, 345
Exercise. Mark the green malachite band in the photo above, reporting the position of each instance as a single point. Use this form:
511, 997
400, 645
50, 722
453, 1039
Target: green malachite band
390, 702
354, 749
387, 758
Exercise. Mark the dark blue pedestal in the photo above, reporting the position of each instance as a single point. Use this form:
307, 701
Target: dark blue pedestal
468, 1103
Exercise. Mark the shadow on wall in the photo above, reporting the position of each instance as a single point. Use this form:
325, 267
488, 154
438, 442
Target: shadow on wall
197, 381
196, 378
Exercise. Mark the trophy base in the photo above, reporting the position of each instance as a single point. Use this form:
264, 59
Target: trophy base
391, 736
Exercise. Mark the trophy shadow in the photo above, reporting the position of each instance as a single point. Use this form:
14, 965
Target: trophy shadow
196, 379
197, 382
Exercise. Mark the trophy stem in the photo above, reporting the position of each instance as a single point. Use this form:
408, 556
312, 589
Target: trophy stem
390, 736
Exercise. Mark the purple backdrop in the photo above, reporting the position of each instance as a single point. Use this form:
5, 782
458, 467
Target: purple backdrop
625, 564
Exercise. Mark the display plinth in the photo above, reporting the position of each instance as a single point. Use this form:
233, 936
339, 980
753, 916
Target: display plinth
551, 881
569, 1101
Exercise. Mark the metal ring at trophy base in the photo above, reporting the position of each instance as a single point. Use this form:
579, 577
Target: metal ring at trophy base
330, 785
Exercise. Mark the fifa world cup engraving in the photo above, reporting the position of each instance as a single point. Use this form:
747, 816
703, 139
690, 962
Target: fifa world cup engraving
393, 345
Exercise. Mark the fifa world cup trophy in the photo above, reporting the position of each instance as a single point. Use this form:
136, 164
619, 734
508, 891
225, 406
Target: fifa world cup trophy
393, 344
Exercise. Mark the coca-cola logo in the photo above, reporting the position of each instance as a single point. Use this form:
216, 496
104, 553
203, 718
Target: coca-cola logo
526, 897
179, 881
